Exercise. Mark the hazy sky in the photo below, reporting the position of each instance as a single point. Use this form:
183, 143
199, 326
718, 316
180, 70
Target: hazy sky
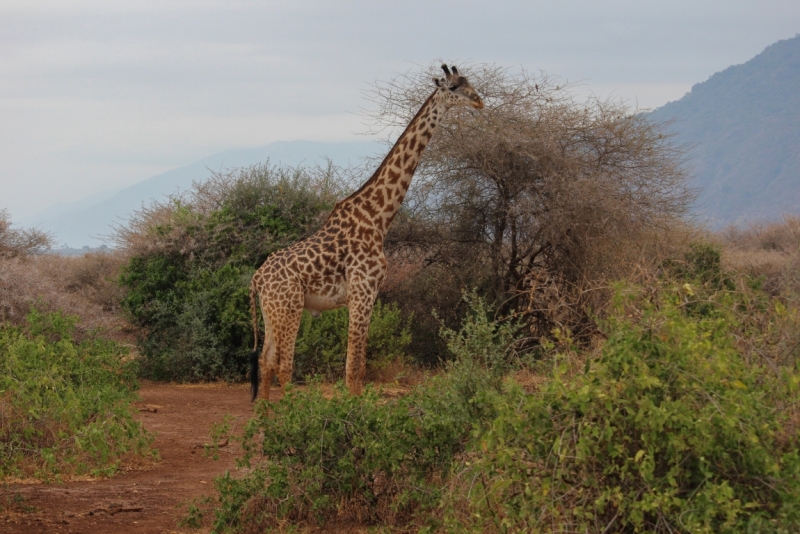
97, 95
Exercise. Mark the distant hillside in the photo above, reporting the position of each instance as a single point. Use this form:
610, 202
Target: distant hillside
744, 123
84, 223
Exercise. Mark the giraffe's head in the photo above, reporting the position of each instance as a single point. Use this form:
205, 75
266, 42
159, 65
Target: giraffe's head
457, 90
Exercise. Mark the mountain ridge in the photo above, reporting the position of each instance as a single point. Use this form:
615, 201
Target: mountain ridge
743, 127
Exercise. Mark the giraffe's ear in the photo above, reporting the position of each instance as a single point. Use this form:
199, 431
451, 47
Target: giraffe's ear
438, 82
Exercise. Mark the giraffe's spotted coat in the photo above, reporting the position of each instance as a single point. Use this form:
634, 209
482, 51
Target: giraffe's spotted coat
343, 264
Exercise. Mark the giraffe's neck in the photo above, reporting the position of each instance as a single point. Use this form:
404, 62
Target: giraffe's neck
379, 199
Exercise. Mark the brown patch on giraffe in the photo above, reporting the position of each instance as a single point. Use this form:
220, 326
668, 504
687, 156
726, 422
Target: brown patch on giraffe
379, 198
370, 209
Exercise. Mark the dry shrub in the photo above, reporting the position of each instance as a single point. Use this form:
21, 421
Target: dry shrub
396, 371
21, 242
85, 286
770, 251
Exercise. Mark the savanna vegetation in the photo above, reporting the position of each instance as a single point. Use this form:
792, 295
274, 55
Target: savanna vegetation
585, 359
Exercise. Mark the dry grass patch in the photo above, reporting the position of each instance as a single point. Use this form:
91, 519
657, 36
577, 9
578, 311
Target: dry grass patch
770, 251
85, 286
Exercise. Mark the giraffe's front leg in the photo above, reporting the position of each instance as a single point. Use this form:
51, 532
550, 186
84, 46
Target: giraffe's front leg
360, 299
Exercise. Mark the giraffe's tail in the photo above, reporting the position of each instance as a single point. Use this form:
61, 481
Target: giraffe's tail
254, 375
254, 372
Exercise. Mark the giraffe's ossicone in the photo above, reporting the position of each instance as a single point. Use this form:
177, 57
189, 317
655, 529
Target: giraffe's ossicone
343, 263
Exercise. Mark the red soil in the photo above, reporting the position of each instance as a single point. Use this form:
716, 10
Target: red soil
149, 499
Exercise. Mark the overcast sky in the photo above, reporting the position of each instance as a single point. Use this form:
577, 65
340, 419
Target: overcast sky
97, 95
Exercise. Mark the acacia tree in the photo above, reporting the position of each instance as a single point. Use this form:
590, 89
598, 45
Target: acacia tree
545, 195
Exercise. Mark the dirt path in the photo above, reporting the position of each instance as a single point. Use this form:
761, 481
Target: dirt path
148, 500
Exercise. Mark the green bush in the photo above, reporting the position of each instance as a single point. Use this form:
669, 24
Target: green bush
481, 355
483, 339
199, 328
187, 282
363, 458
188, 279
367, 459
669, 430
702, 264
672, 428
322, 342
64, 405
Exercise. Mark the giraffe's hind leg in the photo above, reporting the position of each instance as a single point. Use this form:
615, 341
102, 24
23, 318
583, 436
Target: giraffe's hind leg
284, 346
285, 320
268, 364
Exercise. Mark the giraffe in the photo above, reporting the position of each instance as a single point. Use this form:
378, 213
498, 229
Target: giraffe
343, 264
